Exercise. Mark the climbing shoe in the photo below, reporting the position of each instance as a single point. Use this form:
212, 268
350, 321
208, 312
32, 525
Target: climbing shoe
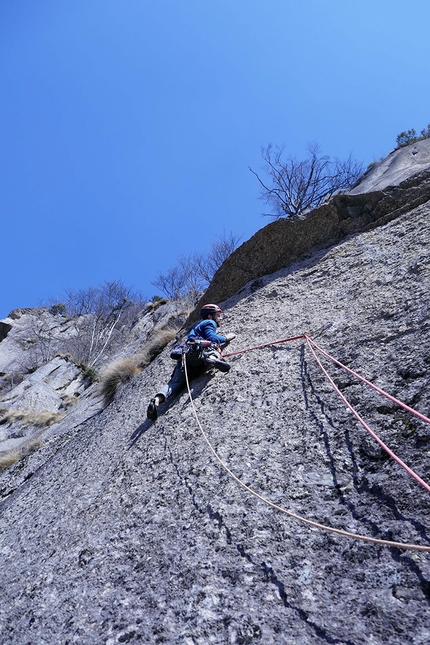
152, 411
211, 360
222, 366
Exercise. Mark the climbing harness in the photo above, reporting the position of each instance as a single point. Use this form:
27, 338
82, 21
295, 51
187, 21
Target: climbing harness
312, 523
209, 352
190, 347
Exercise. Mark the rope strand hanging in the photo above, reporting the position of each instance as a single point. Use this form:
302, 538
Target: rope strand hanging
372, 385
363, 423
312, 523
312, 344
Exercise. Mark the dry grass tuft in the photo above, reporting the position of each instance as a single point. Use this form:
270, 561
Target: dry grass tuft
38, 419
8, 459
116, 373
125, 369
155, 304
155, 345
12, 456
30, 446
44, 419
11, 416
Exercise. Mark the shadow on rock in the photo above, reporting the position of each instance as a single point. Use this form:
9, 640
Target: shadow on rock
197, 388
140, 430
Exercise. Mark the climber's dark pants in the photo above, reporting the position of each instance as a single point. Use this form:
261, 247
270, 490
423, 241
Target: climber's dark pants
195, 365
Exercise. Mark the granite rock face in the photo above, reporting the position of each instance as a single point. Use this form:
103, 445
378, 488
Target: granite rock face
42, 385
397, 167
127, 531
41, 390
19, 349
44, 397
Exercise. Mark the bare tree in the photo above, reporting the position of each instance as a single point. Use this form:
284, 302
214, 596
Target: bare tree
93, 324
208, 264
182, 281
192, 274
102, 316
172, 283
297, 186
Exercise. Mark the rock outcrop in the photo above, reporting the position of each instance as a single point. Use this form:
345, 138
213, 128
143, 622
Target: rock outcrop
44, 391
396, 185
37, 391
124, 531
398, 166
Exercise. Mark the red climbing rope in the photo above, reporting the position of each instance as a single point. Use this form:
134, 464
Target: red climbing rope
273, 342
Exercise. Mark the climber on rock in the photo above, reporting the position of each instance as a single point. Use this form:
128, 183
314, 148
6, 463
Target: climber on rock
202, 349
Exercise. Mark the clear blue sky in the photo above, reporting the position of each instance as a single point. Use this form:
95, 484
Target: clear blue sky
127, 126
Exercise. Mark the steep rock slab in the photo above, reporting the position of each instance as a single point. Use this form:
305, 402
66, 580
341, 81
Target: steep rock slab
130, 532
33, 335
57, 377
398, 166
39, 397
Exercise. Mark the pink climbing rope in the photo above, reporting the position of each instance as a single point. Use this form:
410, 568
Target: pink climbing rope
375, 387
313, 523
312, 344
360, 419
273, 342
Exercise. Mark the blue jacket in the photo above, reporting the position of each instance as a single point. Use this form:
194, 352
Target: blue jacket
207, 329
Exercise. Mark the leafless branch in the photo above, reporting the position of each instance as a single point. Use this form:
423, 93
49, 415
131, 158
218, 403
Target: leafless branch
192, 274
296, 186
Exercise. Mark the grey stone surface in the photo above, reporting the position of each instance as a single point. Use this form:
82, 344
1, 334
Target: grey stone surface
123, 531
7, 445
28, 337
44, 391
34, 397
396, 168
41, 390
18, 349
